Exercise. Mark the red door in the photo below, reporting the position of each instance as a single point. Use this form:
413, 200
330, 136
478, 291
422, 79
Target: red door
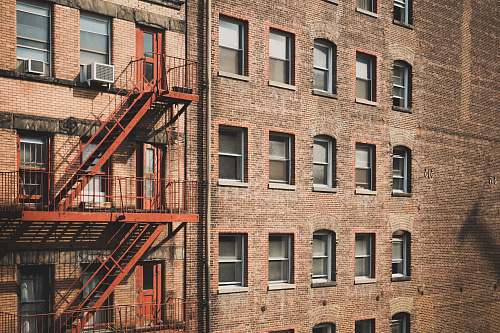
149, 55
148, 279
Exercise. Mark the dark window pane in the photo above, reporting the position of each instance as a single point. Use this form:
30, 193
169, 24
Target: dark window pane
230, 61
320, 79
229, 167
229, 272
149, 71
230, 141
148, 45
278, 170
320, 173
147, 277
363, 89
363, 178
278, 271
279, 70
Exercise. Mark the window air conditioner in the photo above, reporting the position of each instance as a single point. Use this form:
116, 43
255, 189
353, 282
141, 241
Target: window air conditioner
34, 66
101, 73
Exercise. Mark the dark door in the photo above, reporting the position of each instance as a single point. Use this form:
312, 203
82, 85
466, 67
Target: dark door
34, 298
148, 279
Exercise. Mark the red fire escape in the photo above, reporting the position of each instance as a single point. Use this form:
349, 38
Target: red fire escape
64, 197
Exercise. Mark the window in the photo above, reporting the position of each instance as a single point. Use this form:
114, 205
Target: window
365, 172
33, 169
401, 165
403, 11
365, 326
94, 39
232, 40
324, 328
401, 85
401, 241
368, 5
324, 66
95, 193
280, 56
324, 162
280, 166
33, 33
400, 323
35, 285
323, 256
365, 77
365, 256
280, 256
232, 145
232, 260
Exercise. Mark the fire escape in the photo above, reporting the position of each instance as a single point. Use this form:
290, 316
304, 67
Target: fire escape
138, 221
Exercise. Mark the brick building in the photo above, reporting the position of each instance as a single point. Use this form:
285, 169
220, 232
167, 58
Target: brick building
349, 148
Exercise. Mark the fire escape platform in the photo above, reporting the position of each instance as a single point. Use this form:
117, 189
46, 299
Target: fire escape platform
182, 96
111, 217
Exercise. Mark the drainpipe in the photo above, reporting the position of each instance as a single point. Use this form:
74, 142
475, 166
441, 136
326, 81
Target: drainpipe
208, 41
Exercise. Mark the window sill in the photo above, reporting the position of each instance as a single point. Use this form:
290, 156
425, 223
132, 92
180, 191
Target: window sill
323, 284
318, 188
400, 278
232, 289
282, 85
324, 94
234, 76
281, 286
279, 186
401, 194
334, 2
363, 191
367, 12
231, 183
366, 102
400, 109
364, 280
404, 25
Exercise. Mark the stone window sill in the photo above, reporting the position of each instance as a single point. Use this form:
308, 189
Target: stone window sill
364, 280
334, 2
281, 286
319, 188
280, 186
323, 284
404, 25
363, 191
367, 12
232, 289
400, 278
400, 109
366, 102
234, 76
324, 94
231, 183
282, 85
401, 194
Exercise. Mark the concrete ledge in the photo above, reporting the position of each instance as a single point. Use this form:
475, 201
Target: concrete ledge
231, 183
364, 280
232, 289
324, 94
367, 12
401, 194
400, 109
400, 278
282, 85
323, 284
281, 286
363, 191
366, 102
233, 76
280, 186
325, 189
404, 25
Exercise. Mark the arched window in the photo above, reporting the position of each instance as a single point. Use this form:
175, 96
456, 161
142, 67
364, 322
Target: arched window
401, 173
324, 328
401, 85
400, 323
401, 253
323, 270
325, 66
324, 156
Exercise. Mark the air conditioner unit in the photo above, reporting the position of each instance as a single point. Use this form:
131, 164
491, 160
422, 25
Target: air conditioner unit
101, 73
34, 66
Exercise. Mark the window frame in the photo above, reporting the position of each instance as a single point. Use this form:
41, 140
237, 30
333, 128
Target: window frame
289, 260
371, 76
286, 159
405, 5
332, 64
406, 87
331, 327
44, 6
404, 238
109, 36
359, 322
373, 5
241, 158
330, 257
371, 256
242, 41
331, 182
371, 160
289, 54
243, 260
404, 154
404, 318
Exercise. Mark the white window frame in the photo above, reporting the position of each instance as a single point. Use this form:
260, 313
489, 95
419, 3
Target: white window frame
370, 237
405, 87
288, 59
329, 69
241, 41
401, 237
243, 259
330, 328
371, 62
104, 19
405, 5
287, 159
403, 321
44, 6
371, 152
288, 239
330, 257
240, 157
401, 154
329, 163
